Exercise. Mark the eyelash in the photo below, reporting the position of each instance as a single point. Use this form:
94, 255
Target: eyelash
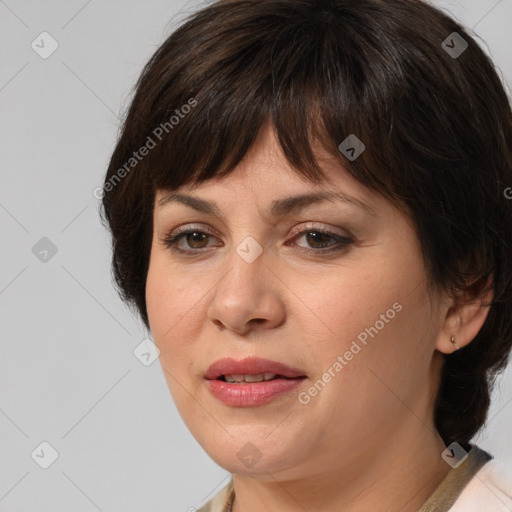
171, 240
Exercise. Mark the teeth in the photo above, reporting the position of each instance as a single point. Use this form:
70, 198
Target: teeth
249, 378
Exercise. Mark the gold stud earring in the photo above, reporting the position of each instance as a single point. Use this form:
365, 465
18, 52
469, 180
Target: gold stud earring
453, 342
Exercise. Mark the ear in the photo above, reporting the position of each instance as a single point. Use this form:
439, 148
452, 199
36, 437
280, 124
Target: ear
465, 317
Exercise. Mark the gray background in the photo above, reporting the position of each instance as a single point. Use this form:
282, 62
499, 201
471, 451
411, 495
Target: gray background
68, 375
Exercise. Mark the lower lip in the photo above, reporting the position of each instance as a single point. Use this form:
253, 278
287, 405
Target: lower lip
250, 394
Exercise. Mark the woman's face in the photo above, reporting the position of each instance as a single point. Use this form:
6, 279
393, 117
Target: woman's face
347, 309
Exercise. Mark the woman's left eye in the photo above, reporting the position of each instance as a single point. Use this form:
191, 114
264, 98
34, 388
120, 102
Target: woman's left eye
319, 240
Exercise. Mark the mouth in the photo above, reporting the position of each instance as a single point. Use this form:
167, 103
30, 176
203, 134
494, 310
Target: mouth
259, 377
252, 381
251, 369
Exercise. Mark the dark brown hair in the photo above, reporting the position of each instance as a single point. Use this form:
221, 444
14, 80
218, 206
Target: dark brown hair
437, 129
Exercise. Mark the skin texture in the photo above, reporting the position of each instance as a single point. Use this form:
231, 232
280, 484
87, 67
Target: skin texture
366, 441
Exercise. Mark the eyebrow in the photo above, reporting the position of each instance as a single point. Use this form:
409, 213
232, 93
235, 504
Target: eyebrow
279, 207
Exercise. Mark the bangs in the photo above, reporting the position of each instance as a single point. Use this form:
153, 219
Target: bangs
314, 93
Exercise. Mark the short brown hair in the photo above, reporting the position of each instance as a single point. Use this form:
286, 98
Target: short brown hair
437, 129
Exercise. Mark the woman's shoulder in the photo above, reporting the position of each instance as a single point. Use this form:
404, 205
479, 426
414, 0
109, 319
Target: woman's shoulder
490, 489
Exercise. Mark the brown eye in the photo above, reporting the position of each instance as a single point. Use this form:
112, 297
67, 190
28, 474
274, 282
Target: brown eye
318, 240
188, 241
318, 237
196, 239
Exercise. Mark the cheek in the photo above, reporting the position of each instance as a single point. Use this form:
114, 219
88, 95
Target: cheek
158, 299
174, 309
177, 305
172, 302
364, 364
373, 315
343, 303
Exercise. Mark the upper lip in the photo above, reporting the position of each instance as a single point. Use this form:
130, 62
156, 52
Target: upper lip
250, 366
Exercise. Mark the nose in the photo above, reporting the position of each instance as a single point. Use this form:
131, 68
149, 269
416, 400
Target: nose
248, 297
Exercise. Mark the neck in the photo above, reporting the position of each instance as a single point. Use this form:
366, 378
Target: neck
400, 475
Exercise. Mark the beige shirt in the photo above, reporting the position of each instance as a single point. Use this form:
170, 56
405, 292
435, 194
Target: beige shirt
442, 499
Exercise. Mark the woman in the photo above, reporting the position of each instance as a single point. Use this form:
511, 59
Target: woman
308, 210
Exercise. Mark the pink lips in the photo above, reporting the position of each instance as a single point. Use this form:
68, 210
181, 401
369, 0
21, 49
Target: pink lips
248, 394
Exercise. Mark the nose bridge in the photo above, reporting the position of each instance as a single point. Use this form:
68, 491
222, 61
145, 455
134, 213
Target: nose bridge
247, 276
249, 250
248, 291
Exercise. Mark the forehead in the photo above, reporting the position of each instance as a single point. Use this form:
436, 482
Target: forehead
265, 171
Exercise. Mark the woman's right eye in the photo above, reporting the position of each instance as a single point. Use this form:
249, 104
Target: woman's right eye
194, 238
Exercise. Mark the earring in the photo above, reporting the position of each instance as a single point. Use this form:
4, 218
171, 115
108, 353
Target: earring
453, 342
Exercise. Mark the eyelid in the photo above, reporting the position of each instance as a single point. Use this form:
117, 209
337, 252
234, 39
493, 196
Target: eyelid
316, 225
191, 227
